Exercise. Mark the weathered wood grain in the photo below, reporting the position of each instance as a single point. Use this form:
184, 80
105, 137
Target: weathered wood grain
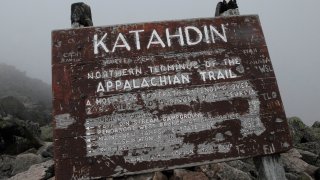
128, 101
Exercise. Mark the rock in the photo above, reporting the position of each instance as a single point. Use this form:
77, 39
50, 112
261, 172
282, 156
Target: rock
301, 133
46, 151
291, 176
316, 124
32, 150
179, 173
159, 176
305, 176
44, 170
313, 147
16, 137
195, 175
245, 167
46, 133
24, 161
6, 166
224, 171
309, 157
293, 164
182, 174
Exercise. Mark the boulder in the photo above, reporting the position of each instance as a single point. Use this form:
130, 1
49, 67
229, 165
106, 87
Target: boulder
316, 124
6, 166
15, 137
300, 132
293, 164
43, 170
309, 157
24, 161
313, 147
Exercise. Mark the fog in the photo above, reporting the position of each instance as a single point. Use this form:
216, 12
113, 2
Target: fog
291, 28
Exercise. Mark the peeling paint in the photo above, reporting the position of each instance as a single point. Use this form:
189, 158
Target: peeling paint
63, 121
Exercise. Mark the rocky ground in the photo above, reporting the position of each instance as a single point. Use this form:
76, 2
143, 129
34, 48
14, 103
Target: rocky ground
300, 163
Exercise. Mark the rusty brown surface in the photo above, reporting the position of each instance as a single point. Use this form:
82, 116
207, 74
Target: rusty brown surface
158, 126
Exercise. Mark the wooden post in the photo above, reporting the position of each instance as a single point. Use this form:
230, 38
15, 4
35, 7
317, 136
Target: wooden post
269, 167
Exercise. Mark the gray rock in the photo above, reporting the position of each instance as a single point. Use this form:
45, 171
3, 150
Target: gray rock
313, 147
291, 176
309, 157
46, 151
293, 164
6, 166
24, 161
224, 171
16, 137
44, 170
301, 133
245, 167
316, 124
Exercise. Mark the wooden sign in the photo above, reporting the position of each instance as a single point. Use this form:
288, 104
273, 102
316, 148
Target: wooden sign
153, 96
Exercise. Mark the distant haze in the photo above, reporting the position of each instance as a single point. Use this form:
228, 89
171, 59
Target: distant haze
291, 28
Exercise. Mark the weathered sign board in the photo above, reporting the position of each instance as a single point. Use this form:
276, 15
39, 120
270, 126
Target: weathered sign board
153, 96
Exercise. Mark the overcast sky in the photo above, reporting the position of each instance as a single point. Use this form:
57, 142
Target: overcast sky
291, 28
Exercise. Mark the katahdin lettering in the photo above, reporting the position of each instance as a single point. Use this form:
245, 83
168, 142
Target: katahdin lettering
205, 34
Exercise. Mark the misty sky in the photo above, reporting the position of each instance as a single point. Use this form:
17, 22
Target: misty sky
291, 28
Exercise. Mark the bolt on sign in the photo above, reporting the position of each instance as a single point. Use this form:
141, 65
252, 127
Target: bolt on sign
162, 95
